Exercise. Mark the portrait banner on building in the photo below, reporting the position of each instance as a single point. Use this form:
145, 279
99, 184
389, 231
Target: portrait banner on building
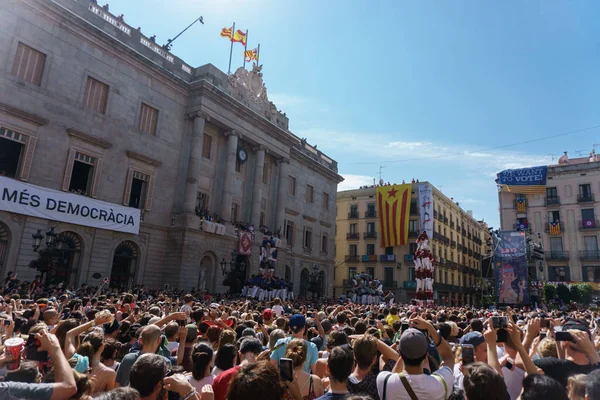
524, 180
36, 201
511, 268
245, 244
426, 208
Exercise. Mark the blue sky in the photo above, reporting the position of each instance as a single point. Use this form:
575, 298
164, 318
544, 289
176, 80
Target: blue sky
387, 82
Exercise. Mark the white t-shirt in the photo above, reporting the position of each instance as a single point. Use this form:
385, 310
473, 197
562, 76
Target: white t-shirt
514, 381
277, 309
207, 380
426, 387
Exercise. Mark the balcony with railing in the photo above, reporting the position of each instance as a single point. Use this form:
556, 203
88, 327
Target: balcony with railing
585, 198
435, 214
552, 201
410, 284
353, 215
446, 240
453, 244
387, 258
459, 247
589, 225
549, 228
451, 264
589, 255
470, 252
351, 259
452, 224
524, 203
352, 236
369, 258
438, 236
446, 220
370, 235
464, 250
413, 234
371, 214
556, 255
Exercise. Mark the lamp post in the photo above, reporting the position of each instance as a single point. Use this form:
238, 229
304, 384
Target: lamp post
46, 256
313, 279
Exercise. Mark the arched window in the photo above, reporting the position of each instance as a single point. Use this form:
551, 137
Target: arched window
124, 265
288, 274
66, 259
304, 282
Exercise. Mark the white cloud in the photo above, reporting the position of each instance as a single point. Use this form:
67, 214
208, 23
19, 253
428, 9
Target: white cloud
354, 181
282, 100
407, 145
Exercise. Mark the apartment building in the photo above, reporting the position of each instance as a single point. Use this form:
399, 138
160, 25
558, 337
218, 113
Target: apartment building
564, 218
458, 245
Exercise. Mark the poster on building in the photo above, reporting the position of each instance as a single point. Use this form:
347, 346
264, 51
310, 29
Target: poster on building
511, 268
36, 201
524, 180
426, 208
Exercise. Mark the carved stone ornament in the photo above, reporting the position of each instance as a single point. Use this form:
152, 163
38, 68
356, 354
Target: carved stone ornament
17, 217
248, 87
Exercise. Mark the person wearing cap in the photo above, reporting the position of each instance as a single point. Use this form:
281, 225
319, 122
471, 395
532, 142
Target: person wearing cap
250, 348
412, 382
267, 315
580, 356
298, 328
476, 340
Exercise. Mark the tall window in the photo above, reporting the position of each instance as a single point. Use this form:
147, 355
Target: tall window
370, 249
585, 191
235, 212
351, 272
82, 174
588, 217
371, 227
413, 225
389, 251
307, 238
353, 228
353, 250
371, 209
148, 119
11, 152
309, 193
96, 95
325, 200
370, 271
323, 243
289, 232
291, 185
206, 146
262, 218
551, 193
202, 201
553, 216
29, 64
590, 243
388, 274
138, 191
412, 248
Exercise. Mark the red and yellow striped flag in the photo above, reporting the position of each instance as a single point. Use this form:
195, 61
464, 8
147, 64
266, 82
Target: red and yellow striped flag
393, 203
251, 55
226, 32
240, 37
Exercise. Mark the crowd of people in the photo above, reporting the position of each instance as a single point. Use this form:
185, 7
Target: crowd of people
168, 344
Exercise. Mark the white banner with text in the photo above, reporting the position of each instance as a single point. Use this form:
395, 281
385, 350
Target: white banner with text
23, 198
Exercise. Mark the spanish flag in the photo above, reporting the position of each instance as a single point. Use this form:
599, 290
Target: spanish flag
240, 37
555, 228
226, 32
251, 55
393, 203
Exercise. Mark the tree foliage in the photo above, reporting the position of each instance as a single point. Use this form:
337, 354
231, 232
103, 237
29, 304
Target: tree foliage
585, 293
562, 292
549, 292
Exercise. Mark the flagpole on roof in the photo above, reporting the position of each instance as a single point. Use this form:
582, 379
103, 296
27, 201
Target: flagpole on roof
258, 55
231, 49
245, 48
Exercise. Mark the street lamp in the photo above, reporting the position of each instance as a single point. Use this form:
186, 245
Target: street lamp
233, 264
50, 237
37, 239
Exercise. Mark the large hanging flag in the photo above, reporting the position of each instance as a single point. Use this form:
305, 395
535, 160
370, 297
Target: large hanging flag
393, 203
239, 37
524, 180
227, 32
245, 243
521, 205
251, 55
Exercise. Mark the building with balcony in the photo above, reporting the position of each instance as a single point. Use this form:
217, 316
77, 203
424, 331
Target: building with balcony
95, 112
458, 244
565, 218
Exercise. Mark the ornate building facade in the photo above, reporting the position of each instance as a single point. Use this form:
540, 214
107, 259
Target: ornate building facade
95, 113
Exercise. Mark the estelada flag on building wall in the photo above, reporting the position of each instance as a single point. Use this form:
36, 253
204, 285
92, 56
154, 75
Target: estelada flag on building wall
245, 244
393, 204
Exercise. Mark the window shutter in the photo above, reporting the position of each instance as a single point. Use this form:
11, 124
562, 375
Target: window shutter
149, 193
29, 149
97, 175
68, 170
128, 187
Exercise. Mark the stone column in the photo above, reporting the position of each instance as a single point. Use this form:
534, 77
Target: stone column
226, 198
281, 195
259, 164
195, 162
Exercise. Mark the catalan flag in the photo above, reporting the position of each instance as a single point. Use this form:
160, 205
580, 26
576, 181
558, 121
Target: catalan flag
521, 204
251, 55
226, 32
555, 228
239, 37
393, 203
